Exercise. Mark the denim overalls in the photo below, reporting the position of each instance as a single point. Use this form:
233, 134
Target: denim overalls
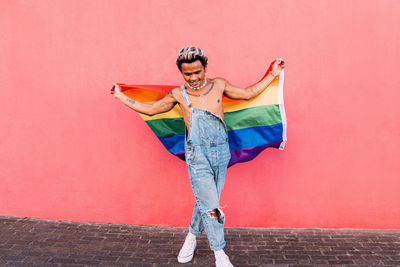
207, 157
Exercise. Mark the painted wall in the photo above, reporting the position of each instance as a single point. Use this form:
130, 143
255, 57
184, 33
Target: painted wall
69, 150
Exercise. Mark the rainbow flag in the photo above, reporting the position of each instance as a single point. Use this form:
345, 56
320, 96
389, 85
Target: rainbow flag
253, 125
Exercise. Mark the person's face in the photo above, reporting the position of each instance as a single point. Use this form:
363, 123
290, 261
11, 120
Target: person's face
193, 73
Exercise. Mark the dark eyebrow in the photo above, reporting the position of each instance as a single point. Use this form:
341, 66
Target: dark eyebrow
188, 73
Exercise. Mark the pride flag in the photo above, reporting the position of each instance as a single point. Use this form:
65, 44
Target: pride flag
253, 125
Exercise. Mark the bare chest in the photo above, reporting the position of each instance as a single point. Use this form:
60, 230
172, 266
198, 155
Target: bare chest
209, 99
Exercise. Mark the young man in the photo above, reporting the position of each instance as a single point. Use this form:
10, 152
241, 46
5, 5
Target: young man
206, 147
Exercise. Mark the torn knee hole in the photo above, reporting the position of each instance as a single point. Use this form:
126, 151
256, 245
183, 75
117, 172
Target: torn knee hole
216, 214
212, 214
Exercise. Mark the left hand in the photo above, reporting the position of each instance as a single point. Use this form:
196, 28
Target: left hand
278, 66
116, 90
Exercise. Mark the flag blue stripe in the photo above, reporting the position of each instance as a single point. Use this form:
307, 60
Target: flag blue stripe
238, 139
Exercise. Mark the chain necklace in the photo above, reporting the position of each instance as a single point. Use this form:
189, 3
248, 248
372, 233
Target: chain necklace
198, 88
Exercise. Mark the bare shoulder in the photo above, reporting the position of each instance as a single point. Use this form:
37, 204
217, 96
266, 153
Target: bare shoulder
173, 91
219, 82
173, 94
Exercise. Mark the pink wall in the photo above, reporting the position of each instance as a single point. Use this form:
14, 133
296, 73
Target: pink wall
68, 150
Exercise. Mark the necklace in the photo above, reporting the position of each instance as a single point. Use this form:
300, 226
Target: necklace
212, 86
197, 88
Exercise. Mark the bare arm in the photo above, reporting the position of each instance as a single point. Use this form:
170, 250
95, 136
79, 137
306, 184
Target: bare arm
235, 92
163, 105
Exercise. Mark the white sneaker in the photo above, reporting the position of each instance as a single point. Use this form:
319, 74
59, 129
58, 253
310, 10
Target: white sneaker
187, 251
222, 260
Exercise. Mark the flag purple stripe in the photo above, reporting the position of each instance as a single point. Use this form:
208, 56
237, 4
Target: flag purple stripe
240, 155
247, 154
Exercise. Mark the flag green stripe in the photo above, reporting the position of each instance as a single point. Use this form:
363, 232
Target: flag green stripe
245, 118
166, 127
253, 117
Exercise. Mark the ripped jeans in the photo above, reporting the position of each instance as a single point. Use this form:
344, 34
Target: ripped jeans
207, 157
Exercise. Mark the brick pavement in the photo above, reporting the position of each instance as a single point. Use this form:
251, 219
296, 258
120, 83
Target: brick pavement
35, 242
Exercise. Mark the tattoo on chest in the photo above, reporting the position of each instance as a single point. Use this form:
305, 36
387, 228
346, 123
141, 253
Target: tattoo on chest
206, 93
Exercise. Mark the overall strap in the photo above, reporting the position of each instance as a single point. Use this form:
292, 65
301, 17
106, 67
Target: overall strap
185, 96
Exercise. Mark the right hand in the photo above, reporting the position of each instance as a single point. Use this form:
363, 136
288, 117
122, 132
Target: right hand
116, 90
278, 66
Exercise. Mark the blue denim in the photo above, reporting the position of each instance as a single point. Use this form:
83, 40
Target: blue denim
207, 157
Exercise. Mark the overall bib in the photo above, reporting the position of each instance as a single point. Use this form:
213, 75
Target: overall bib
207, 156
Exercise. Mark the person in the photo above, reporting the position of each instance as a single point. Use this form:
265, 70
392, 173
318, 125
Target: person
206, 141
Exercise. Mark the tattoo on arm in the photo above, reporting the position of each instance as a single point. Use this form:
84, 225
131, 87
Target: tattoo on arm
130, 100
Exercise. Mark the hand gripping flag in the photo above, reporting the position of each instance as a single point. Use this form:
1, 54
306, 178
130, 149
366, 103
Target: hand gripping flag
252, 125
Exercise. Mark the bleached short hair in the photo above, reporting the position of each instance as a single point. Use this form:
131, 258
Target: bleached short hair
191, 54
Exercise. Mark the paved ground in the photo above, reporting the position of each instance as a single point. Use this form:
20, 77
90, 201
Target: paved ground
33, 242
